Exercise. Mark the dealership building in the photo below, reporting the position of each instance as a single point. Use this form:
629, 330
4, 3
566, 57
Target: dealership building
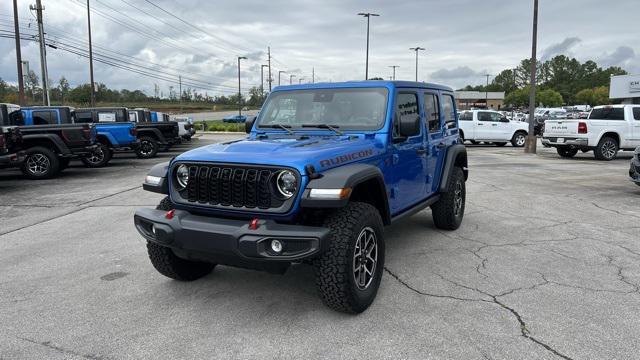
625, 88
466, 100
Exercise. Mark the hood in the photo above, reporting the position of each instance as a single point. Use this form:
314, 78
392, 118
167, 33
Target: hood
323, 152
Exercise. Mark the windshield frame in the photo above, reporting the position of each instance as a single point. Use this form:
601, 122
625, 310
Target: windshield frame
298, 127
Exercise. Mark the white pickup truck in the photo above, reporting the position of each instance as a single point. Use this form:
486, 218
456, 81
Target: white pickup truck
608, 130
491, 127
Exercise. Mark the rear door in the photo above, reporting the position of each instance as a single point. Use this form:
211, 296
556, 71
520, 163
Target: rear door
484, 129
408, 187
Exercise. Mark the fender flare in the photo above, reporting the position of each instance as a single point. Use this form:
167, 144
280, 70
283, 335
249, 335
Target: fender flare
456, 156
54, 139
108, 136
159, 170
348, 176
156, 133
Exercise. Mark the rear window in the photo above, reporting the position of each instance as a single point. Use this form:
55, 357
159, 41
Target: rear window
636, 113
607, 113
83, 117
45, 118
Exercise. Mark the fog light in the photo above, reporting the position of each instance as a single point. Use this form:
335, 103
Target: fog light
276, 246
153, 229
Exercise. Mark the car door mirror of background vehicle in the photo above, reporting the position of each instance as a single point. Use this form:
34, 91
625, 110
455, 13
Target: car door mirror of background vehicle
248, 125
504, 119
409, 125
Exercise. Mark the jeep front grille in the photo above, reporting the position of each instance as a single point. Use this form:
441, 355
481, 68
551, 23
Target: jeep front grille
233, 186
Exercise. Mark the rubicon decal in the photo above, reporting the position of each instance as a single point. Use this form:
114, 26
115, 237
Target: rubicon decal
346, 158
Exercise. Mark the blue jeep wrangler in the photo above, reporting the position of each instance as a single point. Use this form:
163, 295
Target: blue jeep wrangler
325, 167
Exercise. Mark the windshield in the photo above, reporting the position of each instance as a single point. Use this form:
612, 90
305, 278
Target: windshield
348, 109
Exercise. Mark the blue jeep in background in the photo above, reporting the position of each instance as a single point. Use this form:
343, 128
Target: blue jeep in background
325, 167
115, 132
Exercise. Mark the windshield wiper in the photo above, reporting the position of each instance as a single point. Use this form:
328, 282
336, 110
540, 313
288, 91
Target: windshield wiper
278, 126
333, 128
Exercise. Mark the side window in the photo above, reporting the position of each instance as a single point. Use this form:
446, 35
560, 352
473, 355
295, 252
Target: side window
432, 112
466, 116
107, 116
617, 114
83, 117
484, 116
449, 111
42, 118
133, 116
406, 104
495, 117
636, 113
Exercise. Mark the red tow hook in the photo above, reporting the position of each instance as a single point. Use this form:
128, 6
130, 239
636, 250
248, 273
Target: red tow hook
170, 214
253, 225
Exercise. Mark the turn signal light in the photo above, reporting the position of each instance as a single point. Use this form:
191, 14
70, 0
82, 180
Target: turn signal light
170, 214
582, 128
253, 225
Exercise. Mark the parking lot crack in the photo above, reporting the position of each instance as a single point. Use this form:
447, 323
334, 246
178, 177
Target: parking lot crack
614, 211
524, 331
420, 292
62, 350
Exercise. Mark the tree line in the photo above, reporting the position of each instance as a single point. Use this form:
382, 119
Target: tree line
560, 81
61, 93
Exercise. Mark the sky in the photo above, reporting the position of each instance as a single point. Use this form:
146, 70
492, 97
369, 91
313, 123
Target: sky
200, 40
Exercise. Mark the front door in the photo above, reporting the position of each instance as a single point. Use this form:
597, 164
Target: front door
408, 185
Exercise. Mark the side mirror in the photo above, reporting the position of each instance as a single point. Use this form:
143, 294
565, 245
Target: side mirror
504, 119
248, 125
409, 125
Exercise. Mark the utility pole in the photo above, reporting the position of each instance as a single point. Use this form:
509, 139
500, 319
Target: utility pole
291, 79
300, 80
532, 141
280, 73
486, 92
18, 55
180, 87
269, 58
239, 89
366, 66
313, 75
43, 53
93, 87
394, 71
262, 79
416, 49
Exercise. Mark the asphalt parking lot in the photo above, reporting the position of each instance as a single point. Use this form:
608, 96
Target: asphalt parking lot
546, 265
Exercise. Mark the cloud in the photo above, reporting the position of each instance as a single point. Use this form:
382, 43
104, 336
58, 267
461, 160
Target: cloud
456, 73
561, 48
624, 57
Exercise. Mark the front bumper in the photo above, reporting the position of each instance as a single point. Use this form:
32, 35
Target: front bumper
563, 141
229, 241
12, 159
634, 170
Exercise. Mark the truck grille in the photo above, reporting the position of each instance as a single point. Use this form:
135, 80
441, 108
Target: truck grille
223, 186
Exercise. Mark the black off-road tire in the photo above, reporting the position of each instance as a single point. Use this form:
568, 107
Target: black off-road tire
448, 212
334, 269
566, 151
519, 139
168, 264
101, 157
148, 148
50, 163
607, 149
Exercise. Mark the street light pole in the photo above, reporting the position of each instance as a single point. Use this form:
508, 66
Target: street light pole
300, 80
532, 141
417, 49
291, 79
239, 89
262, 79
279, 74
93, 88
394, 71
366, 67
21, 99
486, 92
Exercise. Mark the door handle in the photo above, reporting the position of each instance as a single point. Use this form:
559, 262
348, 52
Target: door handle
441, 146
421, 151
494, 124
480, 124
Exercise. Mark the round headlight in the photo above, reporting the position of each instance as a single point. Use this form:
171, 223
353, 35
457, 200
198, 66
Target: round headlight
287, 183
182, 176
